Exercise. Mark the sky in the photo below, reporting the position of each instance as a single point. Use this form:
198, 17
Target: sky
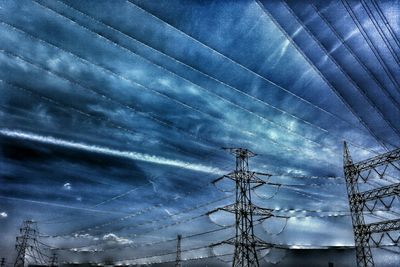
113, 115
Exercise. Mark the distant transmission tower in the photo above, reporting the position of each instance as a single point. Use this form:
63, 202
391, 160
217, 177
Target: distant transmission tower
27, 245
354, 172
3, 262
53, 260
245, 242
178, 262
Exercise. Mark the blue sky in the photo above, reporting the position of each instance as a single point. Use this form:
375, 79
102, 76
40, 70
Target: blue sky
119, 108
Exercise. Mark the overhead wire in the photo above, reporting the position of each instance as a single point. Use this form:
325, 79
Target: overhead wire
113, 43
97, 226
386, 22
70, 52
367, 38
145, 210
196, 70
148, 88
352, 52
378, 28
340, 68
266, 137
192, 68
237, 63
134, 132
224, 55
130, 107
87, 248
334, 89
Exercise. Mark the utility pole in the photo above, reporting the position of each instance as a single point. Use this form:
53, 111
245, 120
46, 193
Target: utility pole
178, 262
27, 244
361, 172
245, 242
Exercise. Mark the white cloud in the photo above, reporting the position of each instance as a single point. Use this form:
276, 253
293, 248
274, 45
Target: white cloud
114, 238
168, 212
3, 215
109, 151
67, 186
153, 185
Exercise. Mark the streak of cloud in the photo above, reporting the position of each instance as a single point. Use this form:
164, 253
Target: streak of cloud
108, 151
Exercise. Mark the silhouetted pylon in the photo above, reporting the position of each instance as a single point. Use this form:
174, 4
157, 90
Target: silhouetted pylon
245, 242
178, 262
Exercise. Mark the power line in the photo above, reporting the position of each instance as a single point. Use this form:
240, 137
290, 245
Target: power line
238, 64
108, 26
202, 88
340, 68
290, 149
381, 33
150, 89
130, 107
161, 219
331, 86
366, 37
124, 48
351, 51
386, 22
142, 211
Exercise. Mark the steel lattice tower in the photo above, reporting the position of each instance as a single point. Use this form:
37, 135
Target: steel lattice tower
245, 242
53, 260
354, 172
178, 262
3, 262
27, 245
22, 243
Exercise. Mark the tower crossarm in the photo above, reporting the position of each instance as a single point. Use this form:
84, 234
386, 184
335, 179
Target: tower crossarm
379, 160
265, 213
252, 178
256, 211
384, 226
233, 241
381, 192
227, 208
240, 152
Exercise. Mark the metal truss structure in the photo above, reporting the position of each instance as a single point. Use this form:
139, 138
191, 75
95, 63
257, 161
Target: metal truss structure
27, 246
178, 262
53, 262
356, 173
245, 242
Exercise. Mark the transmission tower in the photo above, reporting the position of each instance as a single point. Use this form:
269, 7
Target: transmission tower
178, 262
53, 260
245, 242
356, 173
27, 245
3, 262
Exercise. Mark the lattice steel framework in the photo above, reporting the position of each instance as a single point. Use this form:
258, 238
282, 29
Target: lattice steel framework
178, 262
27, 246
53, 262
245, 242
354, 172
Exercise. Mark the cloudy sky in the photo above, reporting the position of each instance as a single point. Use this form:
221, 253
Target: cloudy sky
113, 115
